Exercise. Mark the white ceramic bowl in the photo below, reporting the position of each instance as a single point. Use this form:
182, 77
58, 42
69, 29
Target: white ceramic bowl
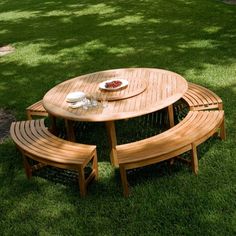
75, 96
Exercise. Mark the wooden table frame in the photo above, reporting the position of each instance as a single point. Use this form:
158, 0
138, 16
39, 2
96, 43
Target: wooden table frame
163, 88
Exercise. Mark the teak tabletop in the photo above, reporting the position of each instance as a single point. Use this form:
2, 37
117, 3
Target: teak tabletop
148, 90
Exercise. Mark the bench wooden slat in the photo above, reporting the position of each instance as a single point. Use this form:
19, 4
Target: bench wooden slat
41, 147
201, 98
69, 147
36, 153
147, 147
178, 138
35, 148
36, 109
47, 134
194, 129
148, 150
35, 141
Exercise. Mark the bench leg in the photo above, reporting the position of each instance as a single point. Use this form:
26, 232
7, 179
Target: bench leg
95, 165
124, 181
94, 173
30, 114
29, 117
82, 185
171, 116
220, 106
28, 170
194, 159
222, 130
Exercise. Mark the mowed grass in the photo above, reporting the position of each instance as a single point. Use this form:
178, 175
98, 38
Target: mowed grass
58, 40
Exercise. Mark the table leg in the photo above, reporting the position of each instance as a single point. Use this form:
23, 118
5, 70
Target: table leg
53, 126
171, 116
111, 131
171, 123
70, 130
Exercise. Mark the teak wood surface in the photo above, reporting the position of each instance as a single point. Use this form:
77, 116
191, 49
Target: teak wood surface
193, 130
36, 109
148, 90
200, 98
35, 142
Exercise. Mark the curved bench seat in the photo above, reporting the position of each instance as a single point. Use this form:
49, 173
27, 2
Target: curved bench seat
200, 98
36, 109
35, 141
194, 129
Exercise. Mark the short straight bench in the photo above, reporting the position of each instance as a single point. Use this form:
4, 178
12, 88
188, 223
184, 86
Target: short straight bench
35, 141
193, 130
200, 98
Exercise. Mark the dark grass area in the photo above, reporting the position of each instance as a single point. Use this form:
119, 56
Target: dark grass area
58, 40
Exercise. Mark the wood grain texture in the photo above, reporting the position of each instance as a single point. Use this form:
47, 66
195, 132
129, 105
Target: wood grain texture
163, 88
35, 141
193, 130
36, 109
200, 98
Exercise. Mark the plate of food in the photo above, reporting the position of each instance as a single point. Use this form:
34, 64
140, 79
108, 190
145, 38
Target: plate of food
113, 84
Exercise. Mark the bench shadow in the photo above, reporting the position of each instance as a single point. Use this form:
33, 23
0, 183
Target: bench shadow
68, 178
127, 131
165, 169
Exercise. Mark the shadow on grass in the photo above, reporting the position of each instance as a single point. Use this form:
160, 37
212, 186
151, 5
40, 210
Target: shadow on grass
59, 40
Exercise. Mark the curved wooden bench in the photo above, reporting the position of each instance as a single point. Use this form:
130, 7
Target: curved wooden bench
36, 109
200, 98
193, 130
35, 141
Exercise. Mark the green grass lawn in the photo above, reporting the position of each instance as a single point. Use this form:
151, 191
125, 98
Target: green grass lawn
58, 40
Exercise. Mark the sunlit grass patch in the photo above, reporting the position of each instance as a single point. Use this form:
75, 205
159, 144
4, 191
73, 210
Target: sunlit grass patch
58, 40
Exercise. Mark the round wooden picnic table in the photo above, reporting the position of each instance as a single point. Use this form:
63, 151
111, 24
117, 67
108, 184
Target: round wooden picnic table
148, 90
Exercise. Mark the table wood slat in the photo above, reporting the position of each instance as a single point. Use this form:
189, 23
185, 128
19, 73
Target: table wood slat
162, 88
